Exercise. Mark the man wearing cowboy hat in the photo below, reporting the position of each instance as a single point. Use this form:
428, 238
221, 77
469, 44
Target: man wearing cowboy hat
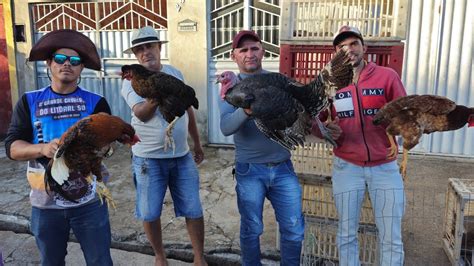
154, 167
39, 119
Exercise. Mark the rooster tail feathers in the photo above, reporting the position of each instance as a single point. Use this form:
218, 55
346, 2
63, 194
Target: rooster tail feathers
339, 72
286, 140
48, 177
52, 185
59, 170
471, 118
324, 131
318, 96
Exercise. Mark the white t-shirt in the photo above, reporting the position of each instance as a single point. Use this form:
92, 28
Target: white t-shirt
152, 132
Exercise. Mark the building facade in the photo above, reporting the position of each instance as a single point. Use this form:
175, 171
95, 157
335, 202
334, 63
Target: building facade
437, 57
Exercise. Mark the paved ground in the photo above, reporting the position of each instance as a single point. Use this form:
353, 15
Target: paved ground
217, 194
20, 249
427, 175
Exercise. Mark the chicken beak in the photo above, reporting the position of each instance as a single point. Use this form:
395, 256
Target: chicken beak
129, 141
135, 140
218, 80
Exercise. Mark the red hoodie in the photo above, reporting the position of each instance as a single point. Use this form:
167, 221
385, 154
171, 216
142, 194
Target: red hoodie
361, 142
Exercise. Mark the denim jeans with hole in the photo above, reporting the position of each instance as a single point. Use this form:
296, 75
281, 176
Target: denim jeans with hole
153, 176
89, 223
279, 184
387, 196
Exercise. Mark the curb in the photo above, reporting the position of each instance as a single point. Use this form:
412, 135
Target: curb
227, 256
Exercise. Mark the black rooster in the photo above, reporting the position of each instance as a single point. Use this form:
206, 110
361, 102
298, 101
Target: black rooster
282, 107
171, 94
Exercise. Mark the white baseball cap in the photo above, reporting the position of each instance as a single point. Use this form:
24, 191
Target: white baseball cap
345, 32
143, 35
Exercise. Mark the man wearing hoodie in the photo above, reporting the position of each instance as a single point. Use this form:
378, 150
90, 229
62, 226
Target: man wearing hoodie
361, 160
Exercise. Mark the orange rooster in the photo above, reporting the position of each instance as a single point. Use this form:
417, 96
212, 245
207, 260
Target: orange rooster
413, 115
81, 150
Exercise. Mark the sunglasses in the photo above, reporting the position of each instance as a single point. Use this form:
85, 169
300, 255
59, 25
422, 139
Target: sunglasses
61, 59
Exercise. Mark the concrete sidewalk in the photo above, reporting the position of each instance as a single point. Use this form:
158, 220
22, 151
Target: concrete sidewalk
20, 249
221, 216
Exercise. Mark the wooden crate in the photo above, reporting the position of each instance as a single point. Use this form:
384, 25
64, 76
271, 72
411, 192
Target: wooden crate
320, 248
313, 165
313, 158
458, 229
318, 201
309, 21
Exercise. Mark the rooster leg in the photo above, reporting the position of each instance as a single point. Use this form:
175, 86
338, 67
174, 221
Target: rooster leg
392, 153
329, 114
169, 141
103, 192
403, 165
325, 133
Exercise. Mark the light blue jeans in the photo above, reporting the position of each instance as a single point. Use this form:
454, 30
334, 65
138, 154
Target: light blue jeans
279, 184
153, 176
387, 196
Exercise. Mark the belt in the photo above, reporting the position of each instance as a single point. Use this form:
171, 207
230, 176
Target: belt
272, 164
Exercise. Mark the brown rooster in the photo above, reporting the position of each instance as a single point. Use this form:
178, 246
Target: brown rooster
413, 115
171, 94
81, 150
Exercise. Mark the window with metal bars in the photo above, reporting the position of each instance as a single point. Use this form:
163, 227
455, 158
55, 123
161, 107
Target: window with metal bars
99, 15
229, 17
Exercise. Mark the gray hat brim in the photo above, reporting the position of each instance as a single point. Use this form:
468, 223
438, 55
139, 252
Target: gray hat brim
129, 50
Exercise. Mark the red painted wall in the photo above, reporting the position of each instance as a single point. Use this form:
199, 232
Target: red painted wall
5, 90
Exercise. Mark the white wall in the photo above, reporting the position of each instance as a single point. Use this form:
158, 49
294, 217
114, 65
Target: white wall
439, 60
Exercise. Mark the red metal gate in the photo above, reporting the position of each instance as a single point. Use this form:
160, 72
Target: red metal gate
5, 89
303, 62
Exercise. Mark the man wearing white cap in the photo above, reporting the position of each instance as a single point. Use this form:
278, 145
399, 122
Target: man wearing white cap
362, 157
156, 168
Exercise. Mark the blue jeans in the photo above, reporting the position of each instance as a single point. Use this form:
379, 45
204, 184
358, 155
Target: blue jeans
387, 196
278, 183
153, 176
90, 225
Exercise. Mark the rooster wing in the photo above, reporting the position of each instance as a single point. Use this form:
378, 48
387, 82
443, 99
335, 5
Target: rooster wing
335, 75
282, 119
273, 106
